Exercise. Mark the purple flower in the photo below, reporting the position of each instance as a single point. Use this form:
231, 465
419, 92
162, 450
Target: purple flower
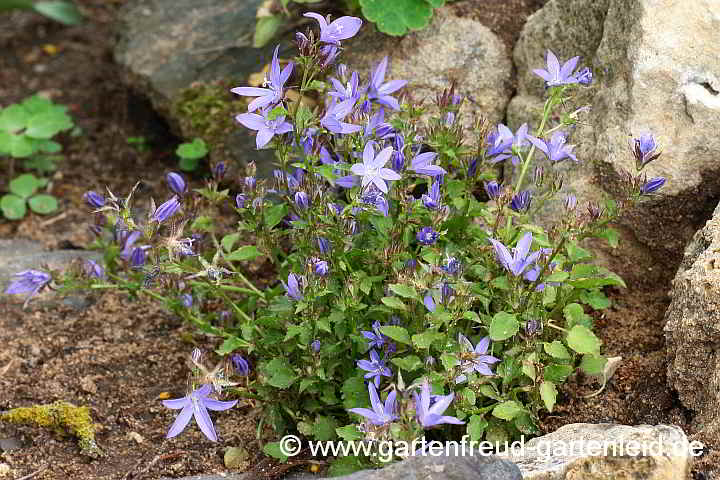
570, 202
375, 367
166, 210
411, 264
422, 164
292, 288
446, 293
240, 200
532, 326
265, 127
555, 150
430, 416
493, 189
28, 281
271, 95
302, 200
555, 74
643, 149
186, 299
380, 414
242, 366
340, 29
452, 267
373, 196
479, 360
521, 201
519, 140
323, 245
218, 171
94, 199
584, 76
196, 404
335, 113
321, 268
328, 54
373, 170
432, 201
472, 169
426, 236
137, 257
376, 338
250, 183
93, 269
379, 90
176, 183
429, 302
398, 157
521, 258
652, 185
315, 345
499, 141
345, 92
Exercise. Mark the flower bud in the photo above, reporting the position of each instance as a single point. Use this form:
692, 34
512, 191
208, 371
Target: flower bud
219, 171
302, 200
250, 183
242, 366
166, 210
315, 345
321, 268
493, 190
426, 236
323, 245
186, 300
176, 183
240, 200
570, 202
94, 199
137, 257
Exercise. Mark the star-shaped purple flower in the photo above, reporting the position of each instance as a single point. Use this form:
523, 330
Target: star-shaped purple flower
479, 362
28, 281
379, 90
196, 404
521, 258
375, 367
274, 92
422, 164
340, 29
266, 128
373, 170
345, 92
432, 415
335, 113
380, 414
555, 150
554, 74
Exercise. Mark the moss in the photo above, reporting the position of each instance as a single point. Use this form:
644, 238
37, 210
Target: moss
62, 417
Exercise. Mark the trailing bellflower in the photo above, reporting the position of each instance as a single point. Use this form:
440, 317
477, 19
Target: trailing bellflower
345, 92
521, 258
196, 404
335, 113
94, 199
554, 74
422, 164
293, 286
381, 414
643, 149
274, 92
426, 236
379, 90
339, 29
94, 269
493, 189
430, 416
555, 150
240, 364
432, 201
373, 170
375, 367
28, 281
315, 346
476, 358
521, 201
176, 183
266, 128
302, 200
652, 185
166, 210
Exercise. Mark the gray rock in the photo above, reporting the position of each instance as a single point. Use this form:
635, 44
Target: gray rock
10, 443
692, 329
443, 468
659, 452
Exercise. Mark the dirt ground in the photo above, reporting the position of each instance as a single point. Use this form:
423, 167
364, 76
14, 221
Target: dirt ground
118, 355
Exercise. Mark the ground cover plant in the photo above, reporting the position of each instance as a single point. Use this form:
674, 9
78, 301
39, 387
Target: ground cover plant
415, 291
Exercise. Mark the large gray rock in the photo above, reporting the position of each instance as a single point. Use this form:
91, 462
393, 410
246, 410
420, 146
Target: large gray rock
651, 76
692, 331
577, 451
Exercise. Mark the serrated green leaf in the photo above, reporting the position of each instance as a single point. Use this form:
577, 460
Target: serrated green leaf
557, 373
231, 344
324, 428
548, 393
279, 373
355, 393
396, 17
13, 207
593, 364
43, 204
47, 124
25, 185
409, 363
13, 118
476, 427
246, 252
193, 150
273, 449
583, 340
350, 433
449, 361
503, 326
399, 334
394, 303
425, 339
507, 410
405, 291
575, 315
556, 350
266, 28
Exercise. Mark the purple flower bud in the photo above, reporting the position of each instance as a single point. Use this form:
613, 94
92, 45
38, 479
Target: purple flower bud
539, 176
531, 327
302, 42
429, 302
137, 257
446, 292
570, 202
493, 190
302, 200
196, 355
644, 150
166, 210
294, 286
94, 199
323, 245
342, 71
93, 269
219, 171
176, 183
315, 345
328, 53
584, 76
521, 201
224, 316
426, 236
652, 185
186, 299
242, 366
250, 183
453, 266
321, 268
240, 200
472, 169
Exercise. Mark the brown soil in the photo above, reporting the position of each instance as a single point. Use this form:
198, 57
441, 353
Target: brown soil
119, 355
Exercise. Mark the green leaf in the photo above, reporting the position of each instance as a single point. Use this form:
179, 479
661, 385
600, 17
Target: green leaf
276, 112
576, 253
611, 236
63, 12
396, 17
43, 204
596, 299
583, 340
343, 466
246, 252
229, 240
557, 373
203, 223
13, 118
449, 361
503, 326
507, 410
394, 303
265, 29
548, 393
279, 373
46, 124
399, 334
425, 339
13, 207
273, 449
556, 350
355, 393
409, 363
349, 433
231, 344
193, 150
558, 277
476, 427
593, 365
20, 146
275, 214
405, 291
575, 315
25, 185
324, 428
436, 3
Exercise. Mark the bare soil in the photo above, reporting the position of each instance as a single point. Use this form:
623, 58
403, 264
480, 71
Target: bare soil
120, 356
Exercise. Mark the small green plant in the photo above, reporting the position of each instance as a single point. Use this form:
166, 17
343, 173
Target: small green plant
190, 154
58, 10
23, 192
140, 143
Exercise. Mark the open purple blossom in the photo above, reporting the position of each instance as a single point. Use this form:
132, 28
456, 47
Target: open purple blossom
652, 185
176, 183
372, 169
166, 210
422, 164
584, 76
274, 92
376, 124
429, 302
644, 150
477, 358
335, 113
452, 267
376, 338
196, 404
426, 236
432, 200
380, 414
339, 29
375, 367
93, 269
519, 140
321, 268
293, 286
493, 189
555, 150
499, 141
521, 201
379, 90
521, 258
94, 199
28, 281
373, 196
432, 415
554, 74
345, 92
266, 128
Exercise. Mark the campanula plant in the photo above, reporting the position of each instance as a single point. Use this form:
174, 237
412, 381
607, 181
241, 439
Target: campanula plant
412, 288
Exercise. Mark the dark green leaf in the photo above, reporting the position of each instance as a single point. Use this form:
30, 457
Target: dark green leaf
61, 11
